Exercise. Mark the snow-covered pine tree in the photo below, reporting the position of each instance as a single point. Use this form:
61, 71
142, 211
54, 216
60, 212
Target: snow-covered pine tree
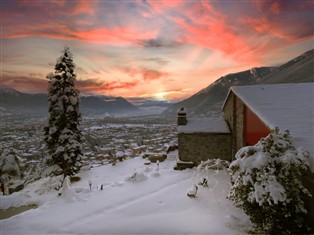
62, 134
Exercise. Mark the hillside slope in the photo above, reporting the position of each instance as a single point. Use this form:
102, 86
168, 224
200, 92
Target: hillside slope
208, 101
299, 69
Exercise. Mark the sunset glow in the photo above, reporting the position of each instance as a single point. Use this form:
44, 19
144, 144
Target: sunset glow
164, 50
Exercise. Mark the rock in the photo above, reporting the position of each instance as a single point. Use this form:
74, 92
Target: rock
16, 187
157, 157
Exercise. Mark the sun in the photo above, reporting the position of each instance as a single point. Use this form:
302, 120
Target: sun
160, 95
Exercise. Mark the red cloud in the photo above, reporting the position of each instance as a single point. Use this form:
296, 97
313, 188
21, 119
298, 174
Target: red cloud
208, 28
160, 6
90, 85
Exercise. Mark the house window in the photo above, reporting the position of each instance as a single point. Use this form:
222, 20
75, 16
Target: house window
255, 129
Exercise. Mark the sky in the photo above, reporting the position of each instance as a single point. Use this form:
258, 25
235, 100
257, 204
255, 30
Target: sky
164, 50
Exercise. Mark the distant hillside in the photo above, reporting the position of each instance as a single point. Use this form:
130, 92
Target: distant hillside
208, 101
103, 104
13, 102
300, 69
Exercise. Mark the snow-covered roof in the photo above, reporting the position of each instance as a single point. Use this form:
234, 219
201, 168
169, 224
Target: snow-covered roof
287, 106
204, 125
181, 110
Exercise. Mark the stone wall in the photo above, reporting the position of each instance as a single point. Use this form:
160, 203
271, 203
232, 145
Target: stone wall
197, 147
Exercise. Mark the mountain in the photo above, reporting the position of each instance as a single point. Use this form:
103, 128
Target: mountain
299, 69
154, 103
153, 107
103, 104
208, 101
13, 102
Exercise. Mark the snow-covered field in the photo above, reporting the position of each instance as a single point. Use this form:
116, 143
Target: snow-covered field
151, 202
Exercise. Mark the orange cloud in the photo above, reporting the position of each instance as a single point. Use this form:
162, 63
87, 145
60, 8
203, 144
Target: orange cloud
24, 83
116, 36
37, 82
149, 74
146, 74
75, 20
120, 85
160, 6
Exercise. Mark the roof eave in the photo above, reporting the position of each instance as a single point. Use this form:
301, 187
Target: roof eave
225, 101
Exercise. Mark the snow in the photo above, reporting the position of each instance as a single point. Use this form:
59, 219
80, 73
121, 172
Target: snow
182, 111
286, 106
53, 98
155, 203
73, 100
257, 166
210, 125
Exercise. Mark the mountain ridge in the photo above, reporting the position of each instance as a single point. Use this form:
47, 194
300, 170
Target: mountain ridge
208, 101
16, 102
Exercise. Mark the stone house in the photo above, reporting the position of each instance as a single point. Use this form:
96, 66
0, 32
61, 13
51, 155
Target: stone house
251, 112
200, 139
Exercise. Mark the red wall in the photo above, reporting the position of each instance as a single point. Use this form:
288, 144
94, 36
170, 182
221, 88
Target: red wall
255, 129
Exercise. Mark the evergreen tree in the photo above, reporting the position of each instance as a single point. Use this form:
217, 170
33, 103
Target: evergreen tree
63, 134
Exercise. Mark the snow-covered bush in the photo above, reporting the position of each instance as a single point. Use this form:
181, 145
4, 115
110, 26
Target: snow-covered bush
11, 167
52, 184
207, 170
138, 175
209, 175
266, 183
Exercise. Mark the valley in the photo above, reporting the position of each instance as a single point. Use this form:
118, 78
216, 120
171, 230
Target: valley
105, 139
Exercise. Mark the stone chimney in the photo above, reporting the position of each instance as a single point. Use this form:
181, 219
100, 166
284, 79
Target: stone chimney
182, 121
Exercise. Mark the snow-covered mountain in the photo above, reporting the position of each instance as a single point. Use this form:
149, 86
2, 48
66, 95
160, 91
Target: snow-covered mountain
15, 102
208, 101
